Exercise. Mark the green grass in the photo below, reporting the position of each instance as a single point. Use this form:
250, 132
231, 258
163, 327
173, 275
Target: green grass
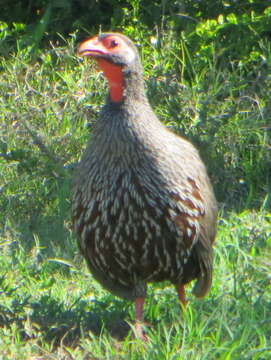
50, 307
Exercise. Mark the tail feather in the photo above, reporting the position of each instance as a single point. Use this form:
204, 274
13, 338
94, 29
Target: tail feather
205, 258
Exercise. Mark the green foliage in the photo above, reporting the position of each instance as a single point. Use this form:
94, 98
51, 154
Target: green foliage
44, 19
207, 72
223, 38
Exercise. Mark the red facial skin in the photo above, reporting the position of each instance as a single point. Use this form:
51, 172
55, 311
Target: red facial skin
96, 47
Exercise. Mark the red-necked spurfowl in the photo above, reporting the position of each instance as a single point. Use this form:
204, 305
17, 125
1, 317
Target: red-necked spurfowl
143, 206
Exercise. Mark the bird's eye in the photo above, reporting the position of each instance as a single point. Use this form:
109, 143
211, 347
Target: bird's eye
113, 43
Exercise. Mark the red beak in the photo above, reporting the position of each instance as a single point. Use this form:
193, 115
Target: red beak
91, 47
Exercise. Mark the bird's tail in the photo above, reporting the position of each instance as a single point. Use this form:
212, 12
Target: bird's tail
205, 257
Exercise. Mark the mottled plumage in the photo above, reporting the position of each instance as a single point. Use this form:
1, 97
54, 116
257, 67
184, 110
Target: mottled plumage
143, 206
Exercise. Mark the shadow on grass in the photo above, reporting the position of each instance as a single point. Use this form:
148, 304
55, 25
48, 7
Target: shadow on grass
51, 321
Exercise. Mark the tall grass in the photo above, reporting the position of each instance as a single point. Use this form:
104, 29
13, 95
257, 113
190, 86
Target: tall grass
50, 307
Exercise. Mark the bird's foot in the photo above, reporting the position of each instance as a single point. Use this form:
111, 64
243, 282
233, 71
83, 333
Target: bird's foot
181, 295
139, 332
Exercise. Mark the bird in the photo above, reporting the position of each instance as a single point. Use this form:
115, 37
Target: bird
143, 207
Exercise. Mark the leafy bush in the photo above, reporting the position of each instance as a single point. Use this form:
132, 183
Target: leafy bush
43, 18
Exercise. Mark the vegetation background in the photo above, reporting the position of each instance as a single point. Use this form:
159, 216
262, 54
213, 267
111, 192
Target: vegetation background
207, 71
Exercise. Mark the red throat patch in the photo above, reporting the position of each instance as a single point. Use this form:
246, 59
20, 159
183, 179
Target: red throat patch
114, 76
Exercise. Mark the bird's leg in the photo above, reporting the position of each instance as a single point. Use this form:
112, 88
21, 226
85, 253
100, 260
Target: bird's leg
181, 295
139, 303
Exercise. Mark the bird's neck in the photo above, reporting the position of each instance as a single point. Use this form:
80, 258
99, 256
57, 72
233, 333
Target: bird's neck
125, 84
115, 79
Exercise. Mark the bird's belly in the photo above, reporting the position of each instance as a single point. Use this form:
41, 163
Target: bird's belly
126, 229
134, 245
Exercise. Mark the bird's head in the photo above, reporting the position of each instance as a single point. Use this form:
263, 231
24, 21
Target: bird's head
115, 48
116, 55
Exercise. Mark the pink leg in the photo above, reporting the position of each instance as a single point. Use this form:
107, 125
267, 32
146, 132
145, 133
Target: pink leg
181, 294
139, 303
